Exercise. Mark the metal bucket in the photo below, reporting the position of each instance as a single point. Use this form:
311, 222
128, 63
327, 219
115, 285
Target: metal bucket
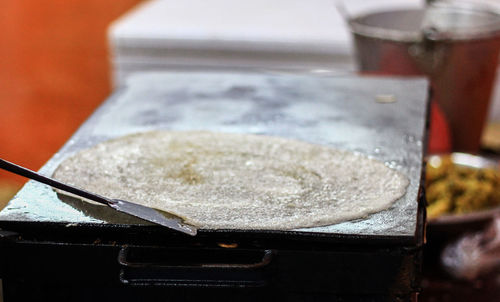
455, 45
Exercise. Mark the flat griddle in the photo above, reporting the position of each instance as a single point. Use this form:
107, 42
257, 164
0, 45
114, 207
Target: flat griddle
334, 111
52, 248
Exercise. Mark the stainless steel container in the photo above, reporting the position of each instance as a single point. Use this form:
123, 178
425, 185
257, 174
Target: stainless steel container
455, 44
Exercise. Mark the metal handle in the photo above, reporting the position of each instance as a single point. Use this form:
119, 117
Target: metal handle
13, 168
183, 267
429, 52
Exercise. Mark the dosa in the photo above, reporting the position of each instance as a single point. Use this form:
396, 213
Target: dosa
236, 181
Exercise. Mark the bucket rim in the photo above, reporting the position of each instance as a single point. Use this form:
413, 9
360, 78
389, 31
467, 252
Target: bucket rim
489, 30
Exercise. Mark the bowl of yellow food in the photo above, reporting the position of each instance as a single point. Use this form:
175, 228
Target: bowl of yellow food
461, 189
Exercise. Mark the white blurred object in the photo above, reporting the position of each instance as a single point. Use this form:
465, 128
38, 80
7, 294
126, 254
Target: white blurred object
278, 35
474, 255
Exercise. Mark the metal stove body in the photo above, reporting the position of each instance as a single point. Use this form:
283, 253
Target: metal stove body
52, 250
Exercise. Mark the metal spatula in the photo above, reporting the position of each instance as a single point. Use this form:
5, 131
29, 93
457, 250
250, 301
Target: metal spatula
145, 213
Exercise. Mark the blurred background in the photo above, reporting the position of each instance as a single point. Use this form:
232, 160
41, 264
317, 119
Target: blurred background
54, 71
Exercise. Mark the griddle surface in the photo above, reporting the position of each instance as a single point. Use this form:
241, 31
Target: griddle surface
336, 111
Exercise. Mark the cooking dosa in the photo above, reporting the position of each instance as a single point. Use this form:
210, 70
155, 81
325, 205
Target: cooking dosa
236, 181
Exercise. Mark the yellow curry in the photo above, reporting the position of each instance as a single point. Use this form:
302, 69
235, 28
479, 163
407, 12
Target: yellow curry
456, 189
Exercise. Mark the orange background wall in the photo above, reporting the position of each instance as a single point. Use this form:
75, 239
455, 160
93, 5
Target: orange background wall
54, 71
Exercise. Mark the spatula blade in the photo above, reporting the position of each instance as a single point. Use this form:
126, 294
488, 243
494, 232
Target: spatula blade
153, 215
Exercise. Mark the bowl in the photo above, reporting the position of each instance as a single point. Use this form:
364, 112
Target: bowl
477, 219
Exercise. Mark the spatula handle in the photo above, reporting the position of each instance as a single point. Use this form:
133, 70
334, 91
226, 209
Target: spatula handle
11, 167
